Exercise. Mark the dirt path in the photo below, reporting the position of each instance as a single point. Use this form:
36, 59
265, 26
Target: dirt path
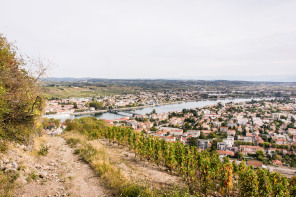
60, 173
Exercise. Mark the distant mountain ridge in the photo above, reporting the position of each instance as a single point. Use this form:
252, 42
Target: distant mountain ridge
276, 79
66, 79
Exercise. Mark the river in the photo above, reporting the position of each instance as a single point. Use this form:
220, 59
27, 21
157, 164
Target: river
159, 109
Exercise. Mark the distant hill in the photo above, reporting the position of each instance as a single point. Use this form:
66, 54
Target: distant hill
65, 79
230, 79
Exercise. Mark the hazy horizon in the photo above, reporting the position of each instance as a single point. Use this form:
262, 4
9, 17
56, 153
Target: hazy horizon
200, 40
283, 79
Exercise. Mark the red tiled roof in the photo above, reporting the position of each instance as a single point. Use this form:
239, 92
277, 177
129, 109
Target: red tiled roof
277, 162
221, 152
255, 163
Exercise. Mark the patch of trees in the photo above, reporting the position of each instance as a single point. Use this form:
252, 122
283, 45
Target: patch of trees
237, 143
95, 104
50, 123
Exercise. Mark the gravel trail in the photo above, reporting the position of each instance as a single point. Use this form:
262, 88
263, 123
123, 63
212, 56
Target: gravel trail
61, 173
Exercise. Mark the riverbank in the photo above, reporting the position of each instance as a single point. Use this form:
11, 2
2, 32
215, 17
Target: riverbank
151, 106
127, 108
163, 107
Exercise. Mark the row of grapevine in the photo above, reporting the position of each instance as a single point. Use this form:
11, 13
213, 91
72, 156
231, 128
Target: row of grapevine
203, 172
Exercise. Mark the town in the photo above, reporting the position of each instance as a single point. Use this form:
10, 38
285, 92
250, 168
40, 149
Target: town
263, 131
138, 100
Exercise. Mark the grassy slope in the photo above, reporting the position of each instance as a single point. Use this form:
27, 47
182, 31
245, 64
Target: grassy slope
99, 158
89, 91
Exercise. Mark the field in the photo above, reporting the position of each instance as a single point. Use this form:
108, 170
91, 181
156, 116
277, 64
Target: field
86, 91
105, 87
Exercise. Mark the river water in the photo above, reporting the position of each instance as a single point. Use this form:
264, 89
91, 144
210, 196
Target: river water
159, 109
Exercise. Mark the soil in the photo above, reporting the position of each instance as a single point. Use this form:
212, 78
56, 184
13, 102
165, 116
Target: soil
61, 173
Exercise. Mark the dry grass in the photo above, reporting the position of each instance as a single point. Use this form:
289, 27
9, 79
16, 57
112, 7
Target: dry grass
38, 142
3, 146
99, 160
96, 155
7, 184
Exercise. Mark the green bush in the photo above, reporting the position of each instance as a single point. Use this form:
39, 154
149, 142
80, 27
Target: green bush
43, 150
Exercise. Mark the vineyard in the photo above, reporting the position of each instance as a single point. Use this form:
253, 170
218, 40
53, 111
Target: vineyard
204, 173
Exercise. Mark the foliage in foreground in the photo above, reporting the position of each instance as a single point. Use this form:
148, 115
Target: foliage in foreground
20, 104
204, 173
7, 184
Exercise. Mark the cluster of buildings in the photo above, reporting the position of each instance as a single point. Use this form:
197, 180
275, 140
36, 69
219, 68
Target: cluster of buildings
231, 128
140, 99
243, 128
66, 105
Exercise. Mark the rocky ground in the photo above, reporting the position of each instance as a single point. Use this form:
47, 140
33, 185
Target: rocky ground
57, 173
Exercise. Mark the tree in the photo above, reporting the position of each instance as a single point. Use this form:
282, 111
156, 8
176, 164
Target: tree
239, 155
187, 126
214, 145
46, 123
192, 141
202, 136
260, 155
212, 135
96, 105
20, 101
153, 129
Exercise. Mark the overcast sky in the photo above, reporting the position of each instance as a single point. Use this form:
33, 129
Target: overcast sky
157, 38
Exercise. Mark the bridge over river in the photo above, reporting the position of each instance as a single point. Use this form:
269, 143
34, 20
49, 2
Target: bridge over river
125, 112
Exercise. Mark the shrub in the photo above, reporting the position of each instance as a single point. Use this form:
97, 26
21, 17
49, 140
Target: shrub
32, 176
73, 142
3, 146
43, 150
7, 184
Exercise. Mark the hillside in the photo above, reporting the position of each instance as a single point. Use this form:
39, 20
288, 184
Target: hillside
20, 108
58, 171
